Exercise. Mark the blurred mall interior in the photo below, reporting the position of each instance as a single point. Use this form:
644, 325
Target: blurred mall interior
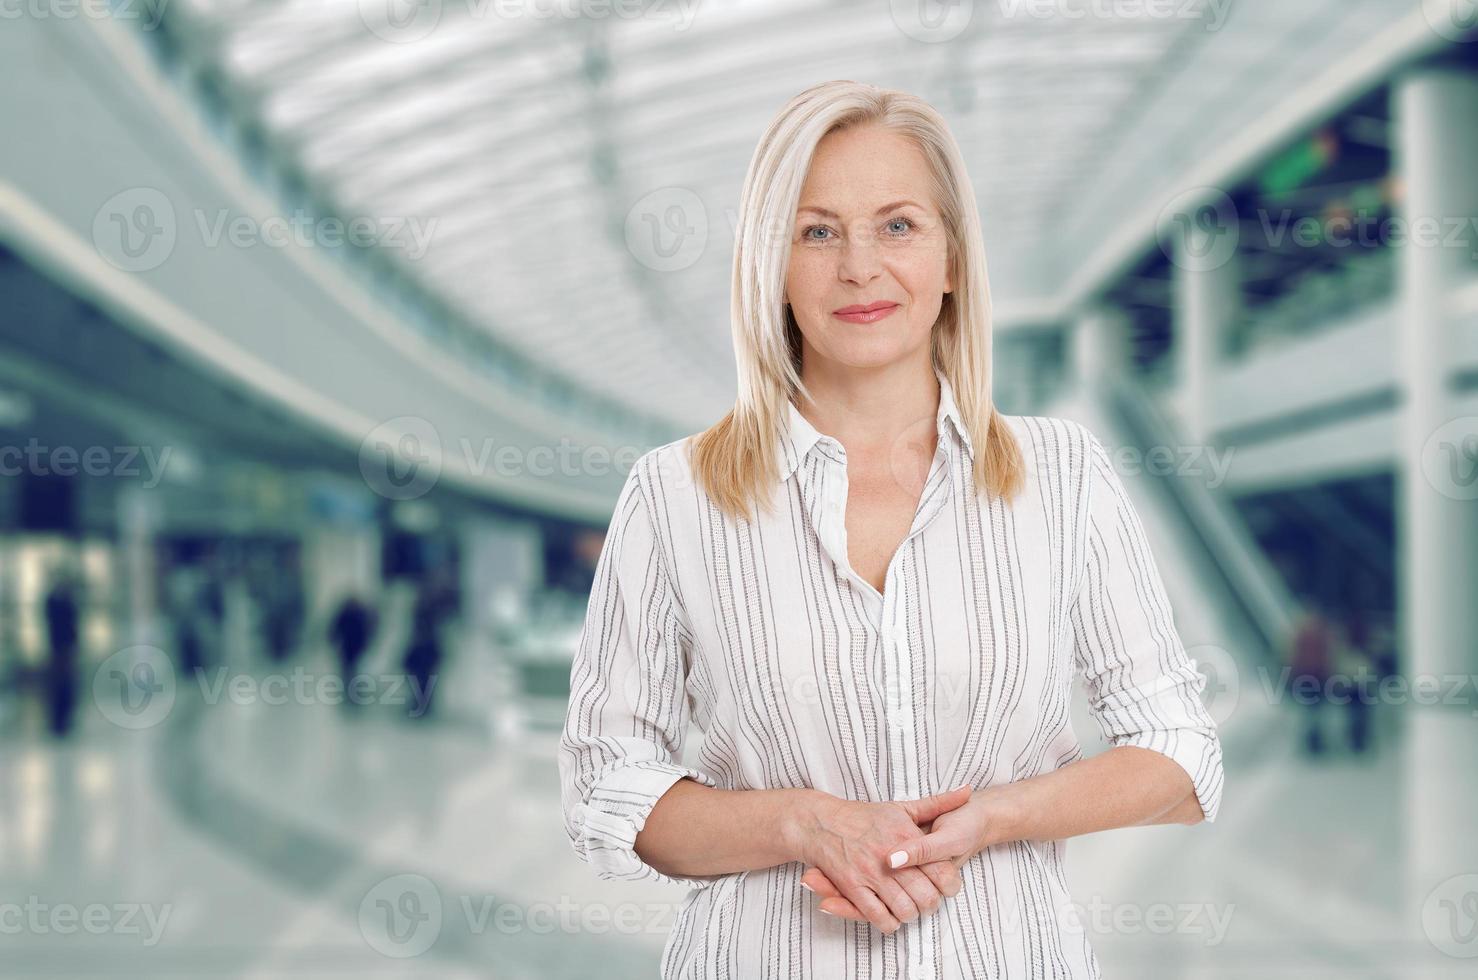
330, 329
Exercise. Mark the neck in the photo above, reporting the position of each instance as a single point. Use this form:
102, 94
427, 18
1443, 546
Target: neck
868, 409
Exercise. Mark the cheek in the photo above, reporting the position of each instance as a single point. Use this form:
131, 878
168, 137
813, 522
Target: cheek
924, 274
806, 278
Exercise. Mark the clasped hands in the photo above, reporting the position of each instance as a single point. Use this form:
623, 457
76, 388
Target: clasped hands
888, 863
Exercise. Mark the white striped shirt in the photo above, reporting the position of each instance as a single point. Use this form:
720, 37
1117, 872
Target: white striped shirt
800, 674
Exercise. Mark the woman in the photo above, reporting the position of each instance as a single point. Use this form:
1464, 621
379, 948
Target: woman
870, 591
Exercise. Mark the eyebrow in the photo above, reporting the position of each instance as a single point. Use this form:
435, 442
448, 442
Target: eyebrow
885, 208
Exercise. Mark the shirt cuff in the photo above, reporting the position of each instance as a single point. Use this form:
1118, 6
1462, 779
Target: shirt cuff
606, 824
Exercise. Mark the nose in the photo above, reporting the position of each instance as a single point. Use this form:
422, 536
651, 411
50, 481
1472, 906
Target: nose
860, 262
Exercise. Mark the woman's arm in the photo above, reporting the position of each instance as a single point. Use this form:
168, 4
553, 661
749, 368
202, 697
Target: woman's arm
1125, 786
695, 831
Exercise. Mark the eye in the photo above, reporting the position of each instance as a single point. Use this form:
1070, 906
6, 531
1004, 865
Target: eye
905, 222
806, 234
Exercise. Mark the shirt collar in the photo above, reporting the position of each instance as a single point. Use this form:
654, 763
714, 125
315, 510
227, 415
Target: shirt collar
801, 436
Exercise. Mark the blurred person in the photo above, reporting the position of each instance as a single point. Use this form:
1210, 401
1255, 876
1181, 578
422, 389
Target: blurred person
1358, 665
423, 650
63, 616
283, 609
351, 631
900, 530
1312, 662
184, 607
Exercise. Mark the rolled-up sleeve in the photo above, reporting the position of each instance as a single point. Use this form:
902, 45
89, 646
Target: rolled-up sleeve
1144, 689
627, 714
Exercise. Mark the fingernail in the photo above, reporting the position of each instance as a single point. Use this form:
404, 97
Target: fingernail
827, 911
897, 858
807, 887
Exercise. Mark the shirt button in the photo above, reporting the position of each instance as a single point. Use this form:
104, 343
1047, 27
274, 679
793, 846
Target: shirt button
921, 971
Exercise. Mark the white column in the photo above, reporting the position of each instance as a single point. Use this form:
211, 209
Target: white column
1208, 300
1100, 347
1436, 123
139, 514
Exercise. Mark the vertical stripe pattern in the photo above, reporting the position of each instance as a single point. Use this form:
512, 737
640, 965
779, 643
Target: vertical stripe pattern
798, 672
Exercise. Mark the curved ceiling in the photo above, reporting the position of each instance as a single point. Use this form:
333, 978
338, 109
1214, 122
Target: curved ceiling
577, 162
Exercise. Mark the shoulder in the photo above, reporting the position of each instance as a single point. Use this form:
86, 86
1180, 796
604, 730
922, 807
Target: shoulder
1054, 447
662, 470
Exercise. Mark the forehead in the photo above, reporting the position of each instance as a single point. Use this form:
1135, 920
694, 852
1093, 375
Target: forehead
858, 169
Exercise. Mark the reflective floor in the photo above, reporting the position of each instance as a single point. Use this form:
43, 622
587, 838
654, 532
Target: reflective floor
244, 838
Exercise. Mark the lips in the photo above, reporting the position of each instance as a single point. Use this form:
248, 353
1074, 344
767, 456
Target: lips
869, 313
869, 308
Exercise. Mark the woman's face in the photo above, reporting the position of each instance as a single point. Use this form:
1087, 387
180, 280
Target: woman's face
867, 233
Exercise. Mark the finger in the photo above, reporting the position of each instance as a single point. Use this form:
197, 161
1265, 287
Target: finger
945, 875
921, 889
871, 906
938, 846
816, 880
842, 909
930, 807
898, 900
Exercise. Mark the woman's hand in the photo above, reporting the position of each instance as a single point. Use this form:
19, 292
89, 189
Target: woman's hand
942, 848
848, 842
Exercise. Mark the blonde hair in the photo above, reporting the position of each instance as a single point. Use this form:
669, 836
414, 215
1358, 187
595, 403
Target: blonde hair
734, 461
